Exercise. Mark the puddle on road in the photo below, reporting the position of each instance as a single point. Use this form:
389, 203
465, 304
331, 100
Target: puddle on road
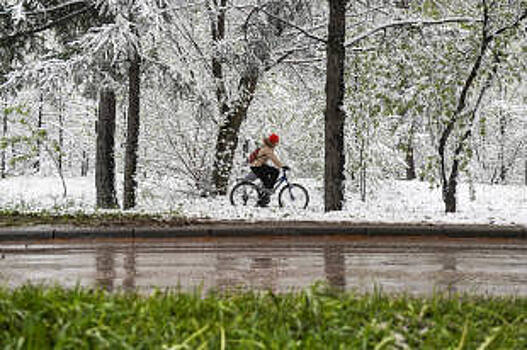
417, 266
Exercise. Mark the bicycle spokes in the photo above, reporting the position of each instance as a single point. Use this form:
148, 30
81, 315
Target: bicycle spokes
294, 196
244, 194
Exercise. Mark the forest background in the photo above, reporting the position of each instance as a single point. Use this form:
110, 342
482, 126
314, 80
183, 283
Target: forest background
135, 94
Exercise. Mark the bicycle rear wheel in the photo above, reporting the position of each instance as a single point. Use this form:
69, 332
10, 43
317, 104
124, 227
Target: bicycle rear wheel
245, 194
293, 196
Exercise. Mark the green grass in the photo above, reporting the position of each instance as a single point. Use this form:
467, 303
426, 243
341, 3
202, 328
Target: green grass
9, 218
52, 317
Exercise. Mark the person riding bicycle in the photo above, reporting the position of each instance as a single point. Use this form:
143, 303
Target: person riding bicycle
267, 173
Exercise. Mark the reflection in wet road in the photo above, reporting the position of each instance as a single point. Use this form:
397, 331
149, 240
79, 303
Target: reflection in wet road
415, 265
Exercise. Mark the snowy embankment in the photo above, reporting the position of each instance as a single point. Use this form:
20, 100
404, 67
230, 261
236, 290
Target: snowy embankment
392, 202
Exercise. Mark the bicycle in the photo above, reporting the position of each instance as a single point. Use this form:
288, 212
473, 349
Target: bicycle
247, 193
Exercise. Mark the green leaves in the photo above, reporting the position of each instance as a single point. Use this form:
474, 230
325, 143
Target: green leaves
431, 9
18, 109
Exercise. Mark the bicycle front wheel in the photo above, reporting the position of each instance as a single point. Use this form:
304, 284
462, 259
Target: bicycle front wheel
245, 194
293, 196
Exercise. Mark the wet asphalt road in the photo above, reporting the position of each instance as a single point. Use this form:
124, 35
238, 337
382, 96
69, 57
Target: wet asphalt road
393, 264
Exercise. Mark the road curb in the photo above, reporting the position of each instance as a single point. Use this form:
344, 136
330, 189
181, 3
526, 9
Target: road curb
268, 228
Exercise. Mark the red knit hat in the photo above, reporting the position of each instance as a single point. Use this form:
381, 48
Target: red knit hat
273, 138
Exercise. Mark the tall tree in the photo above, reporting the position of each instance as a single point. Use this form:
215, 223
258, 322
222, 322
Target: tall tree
12, 53
39, 127
67, 17
335, 114
464, 115
263, 29
2, 147
132, 134
105, 159
100, 48
232, 113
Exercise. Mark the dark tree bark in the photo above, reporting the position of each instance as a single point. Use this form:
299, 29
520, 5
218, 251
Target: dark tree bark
3, 155
410, 161
61, 134
335, 115
362, 171
232, 116
132, 135
449, 183
39, 126
227, 140
501, 155
228, 133
84, 164
105, 157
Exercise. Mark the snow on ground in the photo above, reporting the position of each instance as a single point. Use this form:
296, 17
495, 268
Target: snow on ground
392, 201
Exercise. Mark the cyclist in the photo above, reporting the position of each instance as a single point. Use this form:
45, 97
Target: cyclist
259, 165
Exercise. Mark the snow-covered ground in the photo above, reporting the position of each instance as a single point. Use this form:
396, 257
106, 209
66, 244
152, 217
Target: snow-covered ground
392, 201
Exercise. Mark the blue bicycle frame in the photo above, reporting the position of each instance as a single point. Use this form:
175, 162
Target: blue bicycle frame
281, 180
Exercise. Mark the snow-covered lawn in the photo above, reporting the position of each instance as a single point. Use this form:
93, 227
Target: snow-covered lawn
393, 201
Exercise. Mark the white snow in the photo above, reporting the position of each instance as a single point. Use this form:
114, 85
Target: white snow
392, 202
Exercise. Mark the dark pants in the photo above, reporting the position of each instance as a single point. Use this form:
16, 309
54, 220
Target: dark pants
267, 174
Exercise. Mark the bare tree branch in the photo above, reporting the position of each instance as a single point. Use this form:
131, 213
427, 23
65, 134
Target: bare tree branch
300, 29
511, 26
409, 23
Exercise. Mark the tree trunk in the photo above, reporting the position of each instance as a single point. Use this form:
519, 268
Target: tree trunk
3, 157
233, 113
39, 126
61, 135
84, 164
449, 193
409, 154
228, 133
335, 115
410, 161
105, 157
227, 140
132, 135
501, 155
449, 186
362, 171
232, 116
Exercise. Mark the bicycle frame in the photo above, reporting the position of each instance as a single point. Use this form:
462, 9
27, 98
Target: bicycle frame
251, 177
280, 181
282, 185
